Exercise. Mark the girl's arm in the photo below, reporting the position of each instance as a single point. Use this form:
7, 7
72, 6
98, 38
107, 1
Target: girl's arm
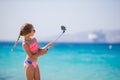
41, 51
45, 48
50, 44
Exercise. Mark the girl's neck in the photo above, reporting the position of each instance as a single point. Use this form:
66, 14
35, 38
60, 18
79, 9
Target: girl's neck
27, 38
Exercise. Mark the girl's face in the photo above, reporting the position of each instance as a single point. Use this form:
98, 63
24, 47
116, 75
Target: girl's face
32, 32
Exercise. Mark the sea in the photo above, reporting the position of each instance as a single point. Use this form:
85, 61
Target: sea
64, 61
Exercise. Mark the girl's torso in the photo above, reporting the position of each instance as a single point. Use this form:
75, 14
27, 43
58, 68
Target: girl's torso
33, 47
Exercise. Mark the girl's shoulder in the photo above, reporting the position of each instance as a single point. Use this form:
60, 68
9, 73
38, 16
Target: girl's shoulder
24, 43
29, 42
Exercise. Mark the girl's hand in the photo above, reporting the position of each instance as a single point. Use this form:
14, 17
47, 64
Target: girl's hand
42, 51
45, 49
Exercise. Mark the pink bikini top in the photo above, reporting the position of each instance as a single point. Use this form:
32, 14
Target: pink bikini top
33, 45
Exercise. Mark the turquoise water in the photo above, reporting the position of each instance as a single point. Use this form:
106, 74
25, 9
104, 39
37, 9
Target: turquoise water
64, 61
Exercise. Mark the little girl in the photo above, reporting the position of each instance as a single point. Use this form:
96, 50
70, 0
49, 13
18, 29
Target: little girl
32, 50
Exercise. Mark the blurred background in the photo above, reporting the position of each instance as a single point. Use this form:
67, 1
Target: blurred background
89, 49
86, 20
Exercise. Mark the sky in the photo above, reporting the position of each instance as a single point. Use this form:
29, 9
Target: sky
48, 15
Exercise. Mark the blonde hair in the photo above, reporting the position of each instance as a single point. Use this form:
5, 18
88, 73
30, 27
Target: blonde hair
25, 29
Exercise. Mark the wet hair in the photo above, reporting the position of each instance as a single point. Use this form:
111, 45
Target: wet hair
24, 30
